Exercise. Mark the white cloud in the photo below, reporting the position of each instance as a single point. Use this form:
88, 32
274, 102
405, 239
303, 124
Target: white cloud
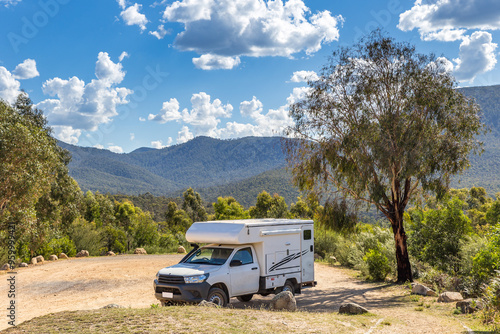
214, 62
132, 136
255, 28
8, 3
131, 15
66, 133
169, 112
9, 86
26, 70
476, 56
184, 135
160, 32
123, 56
158, 144
122, 4
99, 146
142, 119
304, 76
81, 106
115, 149
251, 108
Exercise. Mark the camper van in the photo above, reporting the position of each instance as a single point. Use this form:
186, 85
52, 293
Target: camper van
242, 258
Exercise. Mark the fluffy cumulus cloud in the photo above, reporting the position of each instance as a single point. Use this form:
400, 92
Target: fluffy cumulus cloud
451, 20
160, 32
78, 106
169, 112
184, 135
222, 30
131, 15
158, 144
304, 76
10, 87
115, 149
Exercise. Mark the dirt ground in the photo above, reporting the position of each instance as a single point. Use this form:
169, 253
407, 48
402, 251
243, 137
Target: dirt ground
127, 280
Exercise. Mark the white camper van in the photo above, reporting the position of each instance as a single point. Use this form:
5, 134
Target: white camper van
242, 258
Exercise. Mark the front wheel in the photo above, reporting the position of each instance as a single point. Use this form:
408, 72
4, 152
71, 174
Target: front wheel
245, 298
217, 296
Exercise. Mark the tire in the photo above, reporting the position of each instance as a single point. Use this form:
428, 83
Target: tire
217, 296
288, 287
168, 303
245, 298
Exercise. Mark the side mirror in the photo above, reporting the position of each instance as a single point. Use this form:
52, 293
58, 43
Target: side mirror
235, 263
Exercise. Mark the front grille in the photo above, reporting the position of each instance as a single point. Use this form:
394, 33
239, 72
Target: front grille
170, 279
160, 289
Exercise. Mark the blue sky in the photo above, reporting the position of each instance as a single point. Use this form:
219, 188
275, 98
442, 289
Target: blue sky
121, 75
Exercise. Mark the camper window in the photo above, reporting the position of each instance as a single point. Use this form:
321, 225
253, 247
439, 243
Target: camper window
307, 234
244, 255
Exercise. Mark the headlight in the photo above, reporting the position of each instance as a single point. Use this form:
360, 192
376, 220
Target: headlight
195, 279
157, 275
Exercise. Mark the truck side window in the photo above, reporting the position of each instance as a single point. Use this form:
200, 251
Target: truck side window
244, 255
307, 234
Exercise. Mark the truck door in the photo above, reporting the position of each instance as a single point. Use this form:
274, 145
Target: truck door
307, 242
245, 273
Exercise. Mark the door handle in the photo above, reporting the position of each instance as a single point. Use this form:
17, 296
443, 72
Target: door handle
255, 268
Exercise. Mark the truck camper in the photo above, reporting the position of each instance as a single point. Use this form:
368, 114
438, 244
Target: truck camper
242, 258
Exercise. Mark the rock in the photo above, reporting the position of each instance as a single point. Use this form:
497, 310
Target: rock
82, 253
113, 306
140, 251
419, 289
53, 257
449, 297
317, 256
181, 250
284, 301
23, 265
205, 303
352, 308
40, 259
110, 253
468, 306
63, 256
333, 258
5, 267
34, 261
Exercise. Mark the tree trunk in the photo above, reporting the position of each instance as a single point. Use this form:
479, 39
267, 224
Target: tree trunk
402, 258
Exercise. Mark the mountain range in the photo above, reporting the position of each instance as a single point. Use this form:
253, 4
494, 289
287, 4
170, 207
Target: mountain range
244, 167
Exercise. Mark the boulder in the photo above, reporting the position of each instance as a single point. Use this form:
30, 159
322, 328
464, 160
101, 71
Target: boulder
113, 306
468, 306
23, 265
53, 257
82, 253
5, 267
284, 301
205, 303
140, 251
40, 259
33, 260
181, 250
110, 253
317, 256
63, 256
419, 289
352, 308
449, 297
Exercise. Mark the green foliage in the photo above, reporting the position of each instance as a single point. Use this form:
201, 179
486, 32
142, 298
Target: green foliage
227, 208
85, 236
487, 260
62, 245
193, 206
378, 264
268, 206
146, 231
114, 239
177, 220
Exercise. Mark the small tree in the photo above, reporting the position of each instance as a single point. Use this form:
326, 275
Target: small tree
381, 123
228, 208
193, 205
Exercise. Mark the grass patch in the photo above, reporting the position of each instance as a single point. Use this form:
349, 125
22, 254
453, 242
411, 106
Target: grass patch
192, 319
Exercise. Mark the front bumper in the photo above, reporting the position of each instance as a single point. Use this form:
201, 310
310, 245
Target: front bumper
191, 293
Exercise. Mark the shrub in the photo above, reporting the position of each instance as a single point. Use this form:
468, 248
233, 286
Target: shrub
62, 245
85, 236
378, 264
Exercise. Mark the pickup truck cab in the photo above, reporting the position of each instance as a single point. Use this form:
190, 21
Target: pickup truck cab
261, 257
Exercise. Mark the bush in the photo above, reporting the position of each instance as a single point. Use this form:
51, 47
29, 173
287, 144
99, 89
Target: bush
85, 236
62, 245
378, 264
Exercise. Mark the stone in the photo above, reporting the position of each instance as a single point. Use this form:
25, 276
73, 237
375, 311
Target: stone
317, 256
110, 253
205, 303
284, 301
419, 289
449, 297
140, 251
468, 306
5, 267
333, 258
352, 308
23, 265
34, 261
82, 253
63, 256
53, 257
113, 306
40, 259
181, 250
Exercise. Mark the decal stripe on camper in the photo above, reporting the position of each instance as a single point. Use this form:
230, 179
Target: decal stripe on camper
286, 260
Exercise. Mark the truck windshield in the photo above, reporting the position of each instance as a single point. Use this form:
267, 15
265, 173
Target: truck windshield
209, 255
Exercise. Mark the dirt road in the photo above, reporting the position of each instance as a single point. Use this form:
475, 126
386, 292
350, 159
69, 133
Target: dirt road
91, 283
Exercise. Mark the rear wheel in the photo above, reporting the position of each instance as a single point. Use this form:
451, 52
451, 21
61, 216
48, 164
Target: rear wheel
289, 287
217, 296
245, 298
